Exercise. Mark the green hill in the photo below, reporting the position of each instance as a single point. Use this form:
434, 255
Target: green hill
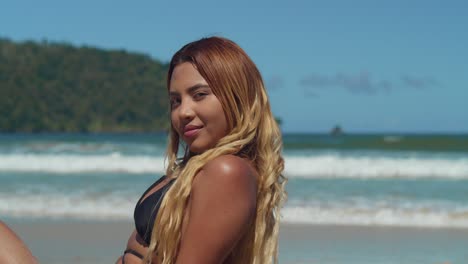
56, 87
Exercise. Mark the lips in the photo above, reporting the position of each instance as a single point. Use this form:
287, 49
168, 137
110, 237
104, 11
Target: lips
191, 130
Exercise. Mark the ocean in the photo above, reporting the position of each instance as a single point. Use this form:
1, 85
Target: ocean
362, 180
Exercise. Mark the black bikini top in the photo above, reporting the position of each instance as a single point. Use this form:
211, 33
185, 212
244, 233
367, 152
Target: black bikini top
146, 211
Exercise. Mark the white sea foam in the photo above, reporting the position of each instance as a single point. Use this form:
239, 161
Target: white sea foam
114, 162
105, 207
117, 206
318, 166
335, 166
376, 216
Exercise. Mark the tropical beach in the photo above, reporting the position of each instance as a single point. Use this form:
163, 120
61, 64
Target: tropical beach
370, 99
71, 196
99, 242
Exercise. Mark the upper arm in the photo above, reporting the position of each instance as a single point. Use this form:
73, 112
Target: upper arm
222, 205
12, 249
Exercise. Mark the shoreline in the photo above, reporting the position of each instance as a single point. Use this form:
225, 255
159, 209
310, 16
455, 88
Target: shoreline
86, 242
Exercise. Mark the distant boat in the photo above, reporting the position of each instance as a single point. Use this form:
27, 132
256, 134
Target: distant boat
336, 131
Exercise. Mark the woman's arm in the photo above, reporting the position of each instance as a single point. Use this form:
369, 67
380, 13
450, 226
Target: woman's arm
222, 205
12, 249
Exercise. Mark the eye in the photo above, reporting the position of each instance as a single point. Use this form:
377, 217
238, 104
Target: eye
174, 102
199, 95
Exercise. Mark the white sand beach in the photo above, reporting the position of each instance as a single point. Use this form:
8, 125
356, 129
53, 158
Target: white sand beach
96, 242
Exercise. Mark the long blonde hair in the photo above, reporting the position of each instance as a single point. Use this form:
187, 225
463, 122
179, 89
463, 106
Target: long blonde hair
254, 135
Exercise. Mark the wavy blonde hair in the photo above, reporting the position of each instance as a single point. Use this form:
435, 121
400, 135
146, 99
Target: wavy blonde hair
253, 134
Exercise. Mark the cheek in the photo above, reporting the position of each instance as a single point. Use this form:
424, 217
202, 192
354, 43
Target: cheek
175, 123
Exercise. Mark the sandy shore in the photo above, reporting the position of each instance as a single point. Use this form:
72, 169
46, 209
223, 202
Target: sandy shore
74, 242
102, 242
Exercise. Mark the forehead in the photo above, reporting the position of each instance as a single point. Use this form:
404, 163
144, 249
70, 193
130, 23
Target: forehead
184, 76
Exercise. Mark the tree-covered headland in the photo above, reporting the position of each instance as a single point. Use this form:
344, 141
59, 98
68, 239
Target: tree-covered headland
57, 87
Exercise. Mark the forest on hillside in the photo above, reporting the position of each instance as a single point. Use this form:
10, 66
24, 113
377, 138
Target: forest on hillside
57, 87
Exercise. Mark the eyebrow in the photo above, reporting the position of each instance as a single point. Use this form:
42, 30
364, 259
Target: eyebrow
192, 88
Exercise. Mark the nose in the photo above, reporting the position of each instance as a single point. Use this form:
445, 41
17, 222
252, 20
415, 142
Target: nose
186, 110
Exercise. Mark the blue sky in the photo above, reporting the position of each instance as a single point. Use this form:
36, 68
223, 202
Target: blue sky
369, 66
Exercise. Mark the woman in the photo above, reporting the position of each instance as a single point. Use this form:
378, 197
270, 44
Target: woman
219, 202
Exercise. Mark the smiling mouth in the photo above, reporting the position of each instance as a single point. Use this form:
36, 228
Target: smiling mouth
191, 131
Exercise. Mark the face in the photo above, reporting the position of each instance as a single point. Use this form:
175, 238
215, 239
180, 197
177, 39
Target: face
196, 113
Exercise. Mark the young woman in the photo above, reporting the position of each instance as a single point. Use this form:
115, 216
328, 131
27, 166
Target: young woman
219, 201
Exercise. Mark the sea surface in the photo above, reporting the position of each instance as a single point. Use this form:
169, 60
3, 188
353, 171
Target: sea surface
406, 180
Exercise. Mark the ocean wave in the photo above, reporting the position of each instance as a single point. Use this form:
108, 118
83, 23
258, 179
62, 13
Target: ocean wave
116, 206
104, 207
114, 162
80, 148
318, 166
336, 166
376, 216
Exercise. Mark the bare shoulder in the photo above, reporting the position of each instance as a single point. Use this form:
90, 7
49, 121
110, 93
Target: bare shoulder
227, 171
222, 207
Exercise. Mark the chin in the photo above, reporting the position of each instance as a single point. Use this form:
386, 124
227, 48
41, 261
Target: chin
199, 149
